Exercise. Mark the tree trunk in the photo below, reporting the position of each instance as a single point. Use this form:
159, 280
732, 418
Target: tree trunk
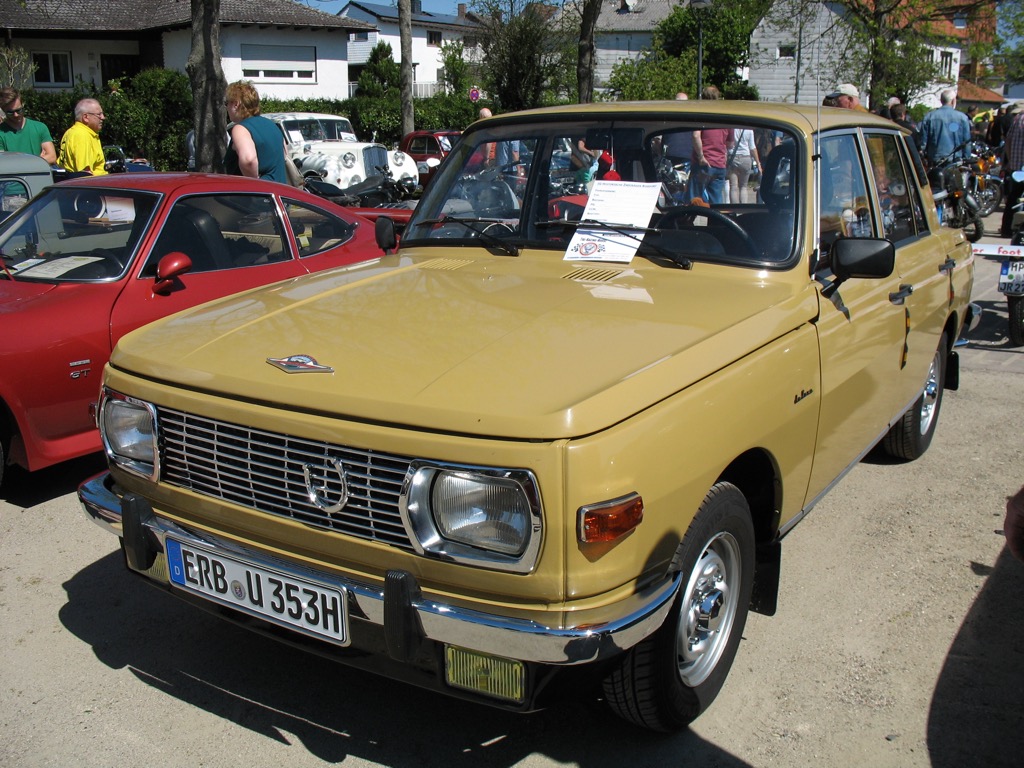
207, 79
585, 58
405, 79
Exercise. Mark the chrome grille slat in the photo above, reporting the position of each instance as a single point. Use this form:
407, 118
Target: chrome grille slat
264, 471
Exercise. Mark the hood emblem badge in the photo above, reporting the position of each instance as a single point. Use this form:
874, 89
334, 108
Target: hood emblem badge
299, 364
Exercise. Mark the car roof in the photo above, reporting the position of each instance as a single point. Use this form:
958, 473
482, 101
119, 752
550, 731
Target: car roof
302, 116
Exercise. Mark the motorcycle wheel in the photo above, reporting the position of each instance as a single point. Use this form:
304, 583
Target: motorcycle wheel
1015, 305
974, 230
989, 198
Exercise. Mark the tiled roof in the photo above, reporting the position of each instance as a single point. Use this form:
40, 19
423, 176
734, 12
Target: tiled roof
389, 13
138, 15
633, 15
968, 91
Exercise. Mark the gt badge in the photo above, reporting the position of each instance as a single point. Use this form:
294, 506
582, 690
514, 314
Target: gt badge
299, 364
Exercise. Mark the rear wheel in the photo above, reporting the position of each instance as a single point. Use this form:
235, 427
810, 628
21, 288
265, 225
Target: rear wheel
990, 197
910, 437
669, 678
1015, 305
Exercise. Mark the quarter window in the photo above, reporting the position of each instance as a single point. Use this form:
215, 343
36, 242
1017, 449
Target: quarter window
315, 230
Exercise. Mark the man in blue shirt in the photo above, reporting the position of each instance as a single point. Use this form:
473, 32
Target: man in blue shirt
943, 130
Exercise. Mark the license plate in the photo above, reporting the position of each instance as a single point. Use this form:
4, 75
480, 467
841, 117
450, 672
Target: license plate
1011, 277
307, 606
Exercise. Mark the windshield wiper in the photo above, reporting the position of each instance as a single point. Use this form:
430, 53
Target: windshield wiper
483, 234
626, 230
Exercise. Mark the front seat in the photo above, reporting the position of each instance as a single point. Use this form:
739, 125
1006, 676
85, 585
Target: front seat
197, 234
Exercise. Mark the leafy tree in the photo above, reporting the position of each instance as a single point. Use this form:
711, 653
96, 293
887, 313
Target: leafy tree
1009, 47
653, 75
456, 70
16, 67
523, 52
380, 74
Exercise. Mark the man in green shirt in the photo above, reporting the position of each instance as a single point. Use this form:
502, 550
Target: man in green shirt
20, 134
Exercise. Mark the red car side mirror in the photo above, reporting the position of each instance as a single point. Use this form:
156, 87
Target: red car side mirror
170, 267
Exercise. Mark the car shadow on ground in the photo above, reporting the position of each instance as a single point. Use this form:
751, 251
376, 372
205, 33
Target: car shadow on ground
992, 331
27, 489
977, 710
335, 711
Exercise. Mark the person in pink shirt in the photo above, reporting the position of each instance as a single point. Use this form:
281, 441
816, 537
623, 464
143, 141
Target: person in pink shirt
710, 153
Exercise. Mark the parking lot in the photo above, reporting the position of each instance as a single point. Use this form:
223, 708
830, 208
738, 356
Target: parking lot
898, 639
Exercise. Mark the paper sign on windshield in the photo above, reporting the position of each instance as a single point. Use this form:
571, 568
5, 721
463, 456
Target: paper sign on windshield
626, 206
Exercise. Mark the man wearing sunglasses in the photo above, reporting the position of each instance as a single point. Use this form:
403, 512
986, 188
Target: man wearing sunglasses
80, 148
20, 134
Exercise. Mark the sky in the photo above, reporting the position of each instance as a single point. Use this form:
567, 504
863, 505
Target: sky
449, 7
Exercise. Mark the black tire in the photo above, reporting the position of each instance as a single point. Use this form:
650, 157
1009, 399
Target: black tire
910, 437
666, 681
1015, 310
974, 230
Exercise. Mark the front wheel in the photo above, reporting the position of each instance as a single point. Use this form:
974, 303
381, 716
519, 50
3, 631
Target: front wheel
1015, 305
669, 678
990, 197
910, 437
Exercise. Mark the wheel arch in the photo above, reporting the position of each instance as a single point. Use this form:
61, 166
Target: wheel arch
756, 474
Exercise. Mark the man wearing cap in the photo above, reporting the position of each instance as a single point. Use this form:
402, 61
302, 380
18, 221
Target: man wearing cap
846, 96
945, 131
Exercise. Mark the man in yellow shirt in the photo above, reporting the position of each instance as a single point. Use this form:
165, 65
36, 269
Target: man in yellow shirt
80, 148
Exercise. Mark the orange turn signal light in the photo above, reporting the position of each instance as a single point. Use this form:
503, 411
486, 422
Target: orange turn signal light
610, 520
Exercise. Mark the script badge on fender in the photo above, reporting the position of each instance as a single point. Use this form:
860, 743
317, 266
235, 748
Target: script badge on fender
299, 364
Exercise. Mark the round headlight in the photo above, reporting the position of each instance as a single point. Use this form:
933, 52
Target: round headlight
399, 158
348, 160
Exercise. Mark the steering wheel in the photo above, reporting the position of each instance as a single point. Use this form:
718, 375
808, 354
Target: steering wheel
691, 212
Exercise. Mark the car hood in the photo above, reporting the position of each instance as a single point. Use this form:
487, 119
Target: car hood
16, 296
334, 147
522, 348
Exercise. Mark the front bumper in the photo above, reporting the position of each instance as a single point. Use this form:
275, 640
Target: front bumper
406, 616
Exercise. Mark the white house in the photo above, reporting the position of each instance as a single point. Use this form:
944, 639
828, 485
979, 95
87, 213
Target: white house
429, 32
625, 28
287, 49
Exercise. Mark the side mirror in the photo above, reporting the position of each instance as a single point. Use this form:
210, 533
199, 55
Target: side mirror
384, 231
169, 269
860, 257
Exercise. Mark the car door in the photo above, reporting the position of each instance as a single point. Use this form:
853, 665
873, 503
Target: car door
235, 242
861, 331
927, 288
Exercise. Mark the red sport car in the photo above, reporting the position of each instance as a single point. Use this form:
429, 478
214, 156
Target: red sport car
86, 261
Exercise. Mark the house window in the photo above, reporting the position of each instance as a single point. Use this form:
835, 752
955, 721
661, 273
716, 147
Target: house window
469, 42
359, 37
433, 38
946, 64
279, 63
52, 68
787, 51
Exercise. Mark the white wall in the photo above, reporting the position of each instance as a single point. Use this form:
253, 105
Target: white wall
85, 57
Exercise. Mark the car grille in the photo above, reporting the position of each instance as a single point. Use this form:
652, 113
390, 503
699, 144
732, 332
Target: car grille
374, 158
265, 471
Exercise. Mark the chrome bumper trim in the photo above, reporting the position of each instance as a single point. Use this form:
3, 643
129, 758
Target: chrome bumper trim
531, 641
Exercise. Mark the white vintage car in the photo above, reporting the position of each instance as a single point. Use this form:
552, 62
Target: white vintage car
326, 147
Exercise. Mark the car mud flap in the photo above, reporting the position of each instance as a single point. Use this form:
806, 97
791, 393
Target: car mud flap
402, 629
140, 549
767, 569
952, 382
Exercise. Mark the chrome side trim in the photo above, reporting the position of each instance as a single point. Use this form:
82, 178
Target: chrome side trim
636, 617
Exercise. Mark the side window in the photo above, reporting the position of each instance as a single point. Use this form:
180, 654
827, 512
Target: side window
844, 204
898, 196
315, 230
221, 232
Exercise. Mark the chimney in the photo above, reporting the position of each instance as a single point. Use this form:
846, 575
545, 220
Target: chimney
417, 6
462, 10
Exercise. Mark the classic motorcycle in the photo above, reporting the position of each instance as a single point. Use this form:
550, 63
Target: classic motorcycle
958, 208
378, 191
984, 181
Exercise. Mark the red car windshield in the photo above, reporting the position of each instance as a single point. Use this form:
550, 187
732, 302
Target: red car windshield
75, 235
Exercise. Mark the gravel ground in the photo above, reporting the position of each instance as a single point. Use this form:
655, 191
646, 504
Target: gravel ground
898, 640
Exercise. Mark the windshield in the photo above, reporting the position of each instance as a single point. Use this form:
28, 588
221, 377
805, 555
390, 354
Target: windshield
75, 235
718, 191
319, 129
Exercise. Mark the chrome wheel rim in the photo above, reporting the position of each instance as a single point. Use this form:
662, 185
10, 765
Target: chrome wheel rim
708, 610
930, 396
